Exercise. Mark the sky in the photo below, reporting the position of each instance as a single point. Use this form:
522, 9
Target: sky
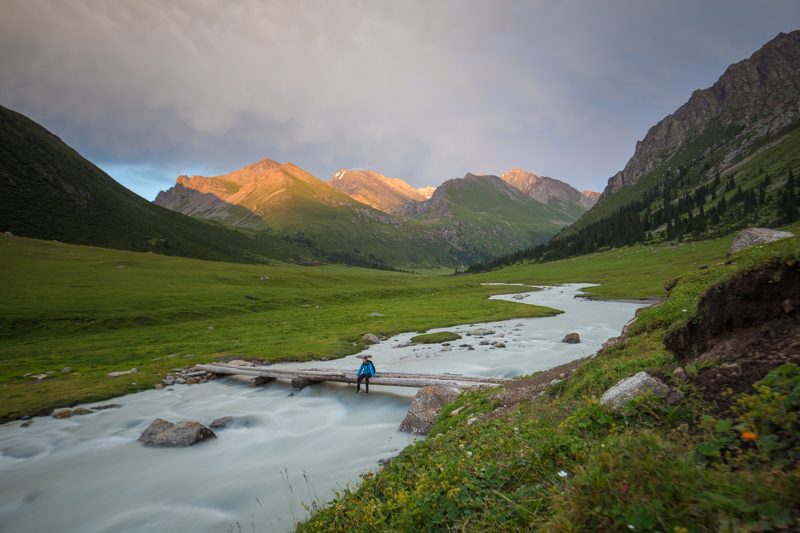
424, 90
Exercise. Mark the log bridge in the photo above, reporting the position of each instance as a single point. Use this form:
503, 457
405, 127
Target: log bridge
301, 378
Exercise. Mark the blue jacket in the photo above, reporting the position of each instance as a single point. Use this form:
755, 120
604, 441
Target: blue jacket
366, 368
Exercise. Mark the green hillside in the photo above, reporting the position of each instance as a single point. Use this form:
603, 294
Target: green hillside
485, 217
99, 310
48, 191
545, 455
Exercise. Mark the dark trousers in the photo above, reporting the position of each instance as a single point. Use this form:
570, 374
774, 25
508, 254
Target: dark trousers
365, 377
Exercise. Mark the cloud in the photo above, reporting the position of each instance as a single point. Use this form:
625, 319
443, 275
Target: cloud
417, 89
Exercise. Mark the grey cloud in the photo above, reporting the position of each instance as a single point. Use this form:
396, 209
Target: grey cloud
416, 89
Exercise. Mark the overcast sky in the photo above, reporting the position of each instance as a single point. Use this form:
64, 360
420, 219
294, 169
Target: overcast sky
423, 90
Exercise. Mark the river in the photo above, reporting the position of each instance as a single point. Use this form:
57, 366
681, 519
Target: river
288, 448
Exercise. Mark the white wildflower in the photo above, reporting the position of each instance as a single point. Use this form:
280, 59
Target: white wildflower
562, 473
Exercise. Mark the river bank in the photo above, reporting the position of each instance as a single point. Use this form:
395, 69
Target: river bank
287, 448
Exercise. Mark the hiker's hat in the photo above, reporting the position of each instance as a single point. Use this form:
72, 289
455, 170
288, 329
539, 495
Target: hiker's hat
365, 356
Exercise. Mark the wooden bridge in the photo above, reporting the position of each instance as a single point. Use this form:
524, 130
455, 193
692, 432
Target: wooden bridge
308, 376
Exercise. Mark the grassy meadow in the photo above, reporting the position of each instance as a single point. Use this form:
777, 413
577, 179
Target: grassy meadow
98, 310
563, 462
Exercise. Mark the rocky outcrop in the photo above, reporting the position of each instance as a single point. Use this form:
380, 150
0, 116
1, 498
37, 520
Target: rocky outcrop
426, 408
164, 434
757, 96
376, 190
546, 190
752, 236
630, 388
222, 422
591, 197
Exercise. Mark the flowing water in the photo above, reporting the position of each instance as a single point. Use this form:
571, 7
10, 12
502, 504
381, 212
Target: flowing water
287, 449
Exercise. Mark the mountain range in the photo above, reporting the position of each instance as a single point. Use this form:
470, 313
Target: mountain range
726, 159
362, 215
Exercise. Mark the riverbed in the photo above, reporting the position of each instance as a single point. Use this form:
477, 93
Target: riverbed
287, 450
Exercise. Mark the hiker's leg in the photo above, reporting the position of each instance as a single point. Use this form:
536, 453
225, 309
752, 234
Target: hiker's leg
358, 383
366, 384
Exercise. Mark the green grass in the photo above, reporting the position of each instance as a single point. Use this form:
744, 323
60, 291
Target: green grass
435, 338
99, 310
562, 462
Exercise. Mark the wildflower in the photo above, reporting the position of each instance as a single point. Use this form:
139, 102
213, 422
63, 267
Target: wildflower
563, 474
461, 446
469, 454
631, 527
749, 435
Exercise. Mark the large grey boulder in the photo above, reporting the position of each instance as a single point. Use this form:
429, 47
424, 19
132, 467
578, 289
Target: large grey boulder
164, 434
752, 236
370, 338
426, 408
571, 338
632, 387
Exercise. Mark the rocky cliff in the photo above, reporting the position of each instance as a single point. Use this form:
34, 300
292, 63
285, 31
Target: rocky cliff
376, 190
545, 190
754, 98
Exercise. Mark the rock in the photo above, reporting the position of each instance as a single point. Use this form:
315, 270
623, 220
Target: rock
454, 412
470, 348
446, 349
66, 412
484, 343
571, 338
519, 297
222, 423
158, 386
674, 397
163, 434
26, 424
106, 406
629, 388
168, 381
375, 315
302, 383
751, 236
370, 338
8, 234
479, 332
66, 370
40, 376
264, 278
180, 381
471, 420
555, 381
25, 417
426, 408
499, 345
679, 374
122, 373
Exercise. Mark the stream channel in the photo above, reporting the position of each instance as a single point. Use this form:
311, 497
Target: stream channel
288, 448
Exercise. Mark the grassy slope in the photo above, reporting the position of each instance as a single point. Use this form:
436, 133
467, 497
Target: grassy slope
775, 154
564, 463
495, 224
98, 310
48, 191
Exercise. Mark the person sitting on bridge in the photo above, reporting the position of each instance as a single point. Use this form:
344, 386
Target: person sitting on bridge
365, 371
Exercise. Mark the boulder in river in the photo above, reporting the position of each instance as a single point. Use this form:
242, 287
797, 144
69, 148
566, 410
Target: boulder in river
66, 412
752, 236
164, 434
426, 408
370, 338
629, 388
222, 422
571, 338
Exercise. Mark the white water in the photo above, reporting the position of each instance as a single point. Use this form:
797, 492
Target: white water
88, 474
